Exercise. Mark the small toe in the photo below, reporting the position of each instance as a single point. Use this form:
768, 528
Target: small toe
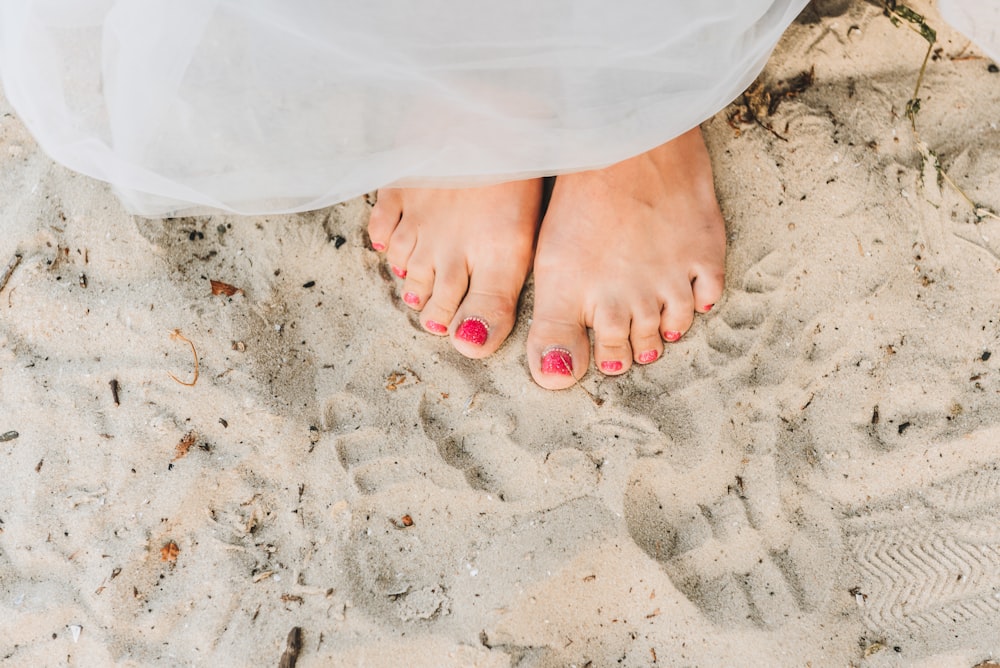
384, 218
418, 285
450, 285
677, 315
647, 346
401, 245
707, 286
612, 351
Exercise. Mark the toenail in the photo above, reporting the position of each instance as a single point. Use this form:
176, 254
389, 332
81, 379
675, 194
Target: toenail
649, 356
671, 335
474, 330
377, 246
558, 361
399, 272
412, 299
611, 367
707, 308
435, 327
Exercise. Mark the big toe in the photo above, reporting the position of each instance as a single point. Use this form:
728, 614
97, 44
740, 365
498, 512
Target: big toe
486, 315
558, 351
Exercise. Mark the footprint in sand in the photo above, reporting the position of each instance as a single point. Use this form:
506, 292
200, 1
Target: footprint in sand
458, 512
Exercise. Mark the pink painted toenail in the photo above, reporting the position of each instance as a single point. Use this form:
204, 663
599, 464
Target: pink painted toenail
435, 327
649, 356
399, 272
671, 335
611, 367
411, 298
377, 246
707, 308
558, 361
474, 330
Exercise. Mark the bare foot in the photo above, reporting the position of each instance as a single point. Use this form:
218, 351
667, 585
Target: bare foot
631, 251
463, 255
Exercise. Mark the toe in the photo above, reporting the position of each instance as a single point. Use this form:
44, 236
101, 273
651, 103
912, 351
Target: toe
418, 284
707, 286
646, 342
677, 315
612, 352
401, 245
486, 315
558, 352
384, 218
451, 282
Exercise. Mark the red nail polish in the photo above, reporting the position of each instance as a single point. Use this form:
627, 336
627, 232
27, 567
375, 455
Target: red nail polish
399, 272
557, 361
435, 327
671, 336
707, 308
378, 247
649, 356
474, 330
411, 298
611, 367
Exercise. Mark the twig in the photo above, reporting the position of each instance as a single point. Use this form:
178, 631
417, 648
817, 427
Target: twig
11, 266
177, 336
293, 646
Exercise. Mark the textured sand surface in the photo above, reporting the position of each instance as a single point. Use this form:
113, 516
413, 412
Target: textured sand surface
808, 478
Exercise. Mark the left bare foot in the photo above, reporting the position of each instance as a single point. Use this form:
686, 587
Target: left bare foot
631, 251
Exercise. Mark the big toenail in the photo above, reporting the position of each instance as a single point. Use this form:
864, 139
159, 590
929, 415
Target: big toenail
399, 272
435, 327
377, 246
474, 330
411, 298
707, 307
671, 335
649, 356
611, 367
557, 361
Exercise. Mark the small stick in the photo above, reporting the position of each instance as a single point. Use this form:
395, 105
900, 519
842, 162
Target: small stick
293, 645
11, 266
114, 390
175, 336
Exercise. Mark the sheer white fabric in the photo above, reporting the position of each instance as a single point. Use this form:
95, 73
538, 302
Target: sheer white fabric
979, 19
260, 106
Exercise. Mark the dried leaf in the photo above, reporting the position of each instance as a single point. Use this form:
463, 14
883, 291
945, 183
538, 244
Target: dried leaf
169, 552
182, 448
220, 288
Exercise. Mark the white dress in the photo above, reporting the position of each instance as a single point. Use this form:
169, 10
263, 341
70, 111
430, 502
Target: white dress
267, 106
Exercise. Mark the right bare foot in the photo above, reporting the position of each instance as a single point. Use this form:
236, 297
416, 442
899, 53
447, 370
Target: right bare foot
463, 254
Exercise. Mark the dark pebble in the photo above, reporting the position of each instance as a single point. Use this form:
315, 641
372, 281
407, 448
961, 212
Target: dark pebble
309, 284
992, 68
339, 241
986, 355
9, 436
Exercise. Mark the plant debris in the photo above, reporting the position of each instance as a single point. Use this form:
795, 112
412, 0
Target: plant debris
177, 336
220, 288
293, 646
760, 101
185, 444
11, 266
114, 390
8, 436
169, 552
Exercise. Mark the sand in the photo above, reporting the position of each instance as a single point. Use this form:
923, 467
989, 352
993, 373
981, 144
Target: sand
808, 478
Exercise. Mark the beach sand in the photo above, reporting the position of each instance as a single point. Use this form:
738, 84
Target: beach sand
808, 478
